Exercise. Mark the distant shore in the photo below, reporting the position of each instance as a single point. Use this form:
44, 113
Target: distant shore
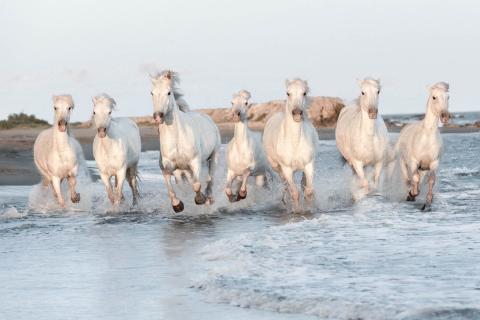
16, 158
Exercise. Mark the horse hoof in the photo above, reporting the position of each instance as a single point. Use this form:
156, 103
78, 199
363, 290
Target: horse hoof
241, 195
427, 207
76, 198
410, 197
209, 201
179, 207
200, 199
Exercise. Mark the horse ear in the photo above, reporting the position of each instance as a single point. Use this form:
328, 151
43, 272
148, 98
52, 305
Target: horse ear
169, 75
359, 82
54, 98
287, 83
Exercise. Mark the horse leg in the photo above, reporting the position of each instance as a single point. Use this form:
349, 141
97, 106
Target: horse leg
212, 161
358, 166
242, 193
378, 171
132, 182
431, 183
195, 166
119, 180
108, 186
228, 187
58, 192
177, 204
307, 182
288, 175
414, 191
74, 196
404, 169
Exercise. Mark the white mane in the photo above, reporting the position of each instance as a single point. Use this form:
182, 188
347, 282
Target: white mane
104, 98
242, 94
441, 86
174, 78
372, 82
298, 83
63, 98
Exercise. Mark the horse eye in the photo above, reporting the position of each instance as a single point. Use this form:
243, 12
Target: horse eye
110, 112
378, 92
363, 93
151, 93
54, 108
434, 98
93, 112
304, 94
70, 108
169, 92
288, 94
246, 103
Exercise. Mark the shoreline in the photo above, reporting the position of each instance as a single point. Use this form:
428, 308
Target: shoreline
16, 157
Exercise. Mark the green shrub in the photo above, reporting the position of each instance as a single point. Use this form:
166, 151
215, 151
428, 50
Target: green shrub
22, 120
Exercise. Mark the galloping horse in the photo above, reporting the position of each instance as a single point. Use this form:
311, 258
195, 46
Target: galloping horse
188, 140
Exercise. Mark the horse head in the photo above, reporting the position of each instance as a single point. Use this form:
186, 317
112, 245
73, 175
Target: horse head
240, 105
368, 99
62, 106
103, 105
438, 100
297, 91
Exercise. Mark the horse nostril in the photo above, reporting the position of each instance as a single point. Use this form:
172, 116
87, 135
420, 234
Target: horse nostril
238, 113
161, 114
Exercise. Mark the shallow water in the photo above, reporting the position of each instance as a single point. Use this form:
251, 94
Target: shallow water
376, 259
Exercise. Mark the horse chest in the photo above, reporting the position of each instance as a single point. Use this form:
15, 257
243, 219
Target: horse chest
111, 156
241, 157
427, 149
62, 160
295, 154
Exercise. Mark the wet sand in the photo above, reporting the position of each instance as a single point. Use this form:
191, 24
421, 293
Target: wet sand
16, 157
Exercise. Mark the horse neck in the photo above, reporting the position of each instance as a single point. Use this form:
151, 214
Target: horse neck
241, 132
430, 122
367, 125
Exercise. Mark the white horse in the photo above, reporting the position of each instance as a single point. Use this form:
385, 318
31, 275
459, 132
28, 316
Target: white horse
290, 141
245, 155
188, 140
116, 148
57, 153
361, 134
420, 144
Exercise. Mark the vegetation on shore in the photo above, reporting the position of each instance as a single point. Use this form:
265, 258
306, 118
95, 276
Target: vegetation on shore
16, 120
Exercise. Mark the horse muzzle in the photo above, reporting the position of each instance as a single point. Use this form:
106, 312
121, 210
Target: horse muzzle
444, 117
102, 132
372, 113
236, 116
62, 125
159, 117
297, 114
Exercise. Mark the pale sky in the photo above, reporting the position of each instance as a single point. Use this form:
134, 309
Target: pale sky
87, 47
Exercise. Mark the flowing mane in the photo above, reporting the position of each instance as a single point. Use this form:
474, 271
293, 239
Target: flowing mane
177, 93
64, 98
441, 86
104, 98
